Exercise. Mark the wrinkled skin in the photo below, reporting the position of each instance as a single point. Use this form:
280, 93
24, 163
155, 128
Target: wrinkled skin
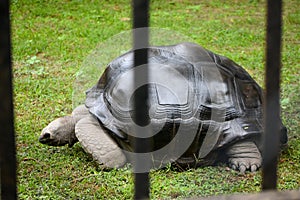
244, 156
83, 127
59, 132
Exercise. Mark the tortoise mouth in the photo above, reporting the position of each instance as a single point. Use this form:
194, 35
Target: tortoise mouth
45, 138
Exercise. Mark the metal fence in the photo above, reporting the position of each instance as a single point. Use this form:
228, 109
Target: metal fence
7, 140
141, 18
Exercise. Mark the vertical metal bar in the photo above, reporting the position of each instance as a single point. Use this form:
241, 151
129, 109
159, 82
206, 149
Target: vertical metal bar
272, 95
7, 141
141, 145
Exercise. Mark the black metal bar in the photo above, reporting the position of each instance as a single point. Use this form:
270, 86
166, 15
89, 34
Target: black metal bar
272, 95
7, 140
141, 118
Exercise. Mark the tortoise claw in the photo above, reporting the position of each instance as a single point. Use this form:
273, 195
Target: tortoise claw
253, 168
242, 168
233, 167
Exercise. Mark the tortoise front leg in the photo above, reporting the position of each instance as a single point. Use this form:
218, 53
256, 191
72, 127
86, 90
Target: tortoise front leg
95, 141
244, 156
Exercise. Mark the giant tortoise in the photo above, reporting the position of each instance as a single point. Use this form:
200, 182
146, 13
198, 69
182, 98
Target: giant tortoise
204, 109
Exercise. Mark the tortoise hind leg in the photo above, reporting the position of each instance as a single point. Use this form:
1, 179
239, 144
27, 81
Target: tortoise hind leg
96, 142
244, 156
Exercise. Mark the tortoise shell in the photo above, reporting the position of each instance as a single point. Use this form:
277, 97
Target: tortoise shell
199, 102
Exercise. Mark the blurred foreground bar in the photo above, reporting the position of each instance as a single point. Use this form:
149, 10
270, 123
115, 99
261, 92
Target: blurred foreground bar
7, 139
272, 95
141, 118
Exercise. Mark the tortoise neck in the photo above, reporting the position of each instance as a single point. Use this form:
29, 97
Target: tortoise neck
70, 126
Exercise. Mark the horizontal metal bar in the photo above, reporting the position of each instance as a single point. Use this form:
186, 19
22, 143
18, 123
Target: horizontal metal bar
274, 195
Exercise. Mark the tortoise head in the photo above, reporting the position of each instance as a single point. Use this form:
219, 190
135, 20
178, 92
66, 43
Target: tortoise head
59, 132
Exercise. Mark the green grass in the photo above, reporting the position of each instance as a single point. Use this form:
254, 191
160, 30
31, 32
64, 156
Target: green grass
51, 43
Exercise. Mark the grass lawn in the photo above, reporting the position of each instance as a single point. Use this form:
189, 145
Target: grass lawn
53, 41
